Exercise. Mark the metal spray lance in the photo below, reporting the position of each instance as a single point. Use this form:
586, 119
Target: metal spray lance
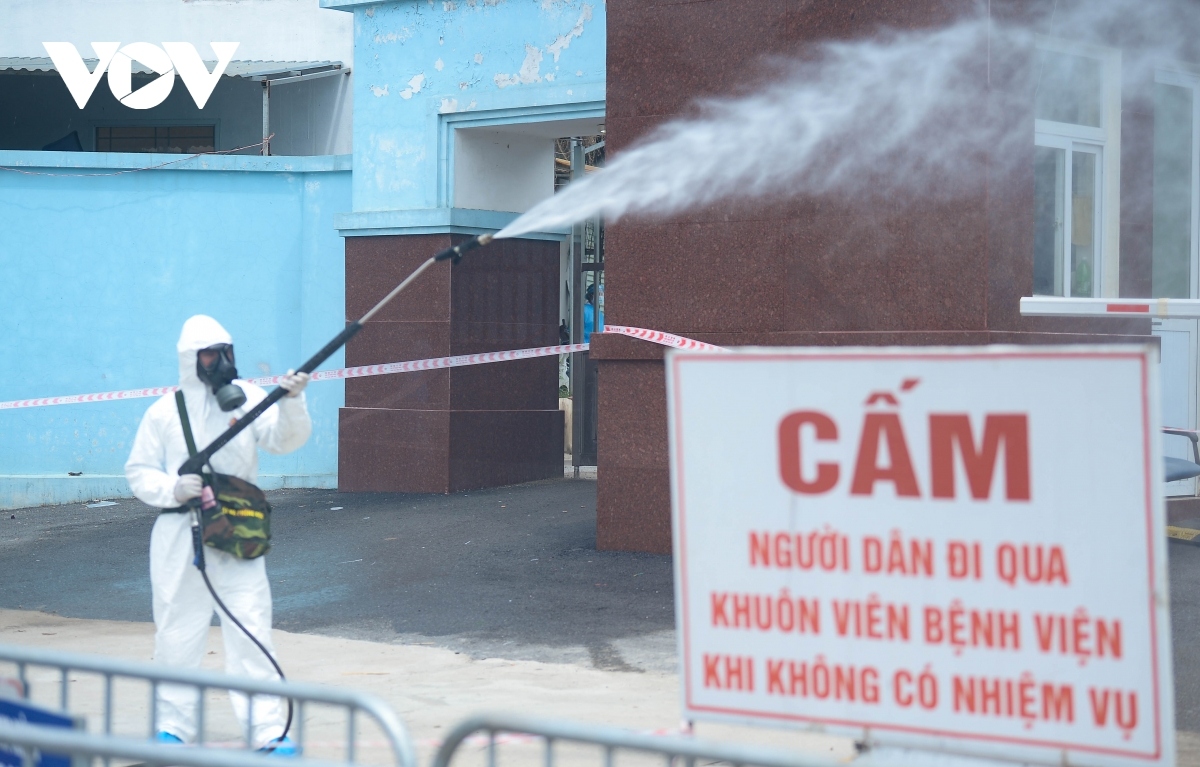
452, 254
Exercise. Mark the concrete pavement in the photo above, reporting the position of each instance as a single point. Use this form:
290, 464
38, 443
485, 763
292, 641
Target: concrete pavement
443, 605
509, 572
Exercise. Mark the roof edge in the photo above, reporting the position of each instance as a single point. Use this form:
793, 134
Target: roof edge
346, 5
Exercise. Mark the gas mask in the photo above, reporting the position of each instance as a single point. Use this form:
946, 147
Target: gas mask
219, 375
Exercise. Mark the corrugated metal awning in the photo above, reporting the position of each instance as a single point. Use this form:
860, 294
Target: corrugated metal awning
257, 70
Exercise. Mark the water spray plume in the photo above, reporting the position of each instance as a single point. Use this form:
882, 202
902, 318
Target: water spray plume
914, 114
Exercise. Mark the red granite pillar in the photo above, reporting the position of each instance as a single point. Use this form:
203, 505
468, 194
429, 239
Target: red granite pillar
1137, 185
441, 431
816, 271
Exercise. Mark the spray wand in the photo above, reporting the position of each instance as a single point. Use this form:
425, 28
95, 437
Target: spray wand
453, 254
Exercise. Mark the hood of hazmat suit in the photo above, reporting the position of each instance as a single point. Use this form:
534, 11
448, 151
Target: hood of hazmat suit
159, 448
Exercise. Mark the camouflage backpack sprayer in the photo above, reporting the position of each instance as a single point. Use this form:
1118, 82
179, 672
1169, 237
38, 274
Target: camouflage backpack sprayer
235, 516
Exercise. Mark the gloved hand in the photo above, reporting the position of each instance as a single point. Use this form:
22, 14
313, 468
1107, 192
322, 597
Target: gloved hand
294, 382
188, 487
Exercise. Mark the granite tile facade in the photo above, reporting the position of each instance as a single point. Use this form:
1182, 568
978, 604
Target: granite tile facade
948, 269
440, 431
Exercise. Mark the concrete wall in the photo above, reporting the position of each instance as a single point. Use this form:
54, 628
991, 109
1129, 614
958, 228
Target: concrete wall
101, 272
424, 69
494, 170
313, 117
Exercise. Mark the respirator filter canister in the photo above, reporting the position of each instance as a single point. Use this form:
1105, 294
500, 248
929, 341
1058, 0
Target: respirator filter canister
219, 373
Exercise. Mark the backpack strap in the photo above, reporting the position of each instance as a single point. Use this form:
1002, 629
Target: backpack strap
183, 419
191, 443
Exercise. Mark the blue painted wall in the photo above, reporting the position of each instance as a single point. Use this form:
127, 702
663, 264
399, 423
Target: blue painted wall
101, 271
421, 66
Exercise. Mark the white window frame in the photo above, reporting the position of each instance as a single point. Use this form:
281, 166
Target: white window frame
1183, 77
1104, 141
1070, 146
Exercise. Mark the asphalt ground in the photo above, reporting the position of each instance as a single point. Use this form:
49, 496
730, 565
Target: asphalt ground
505, 573
508, 573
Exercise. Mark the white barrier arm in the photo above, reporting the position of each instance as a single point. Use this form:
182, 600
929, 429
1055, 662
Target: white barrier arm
1158, 308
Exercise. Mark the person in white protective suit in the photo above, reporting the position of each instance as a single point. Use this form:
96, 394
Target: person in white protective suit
183, 607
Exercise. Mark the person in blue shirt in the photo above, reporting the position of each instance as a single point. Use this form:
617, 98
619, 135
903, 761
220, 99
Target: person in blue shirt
589, 315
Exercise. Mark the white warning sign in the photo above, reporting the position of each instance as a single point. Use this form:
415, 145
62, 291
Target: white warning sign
958, 549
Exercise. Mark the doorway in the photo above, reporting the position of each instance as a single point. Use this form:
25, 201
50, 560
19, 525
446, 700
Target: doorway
583, 294
1176, 252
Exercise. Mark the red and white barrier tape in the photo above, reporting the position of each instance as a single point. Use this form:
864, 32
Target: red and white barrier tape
654, 336
664, 339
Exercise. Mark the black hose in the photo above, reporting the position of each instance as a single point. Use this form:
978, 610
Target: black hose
198, 545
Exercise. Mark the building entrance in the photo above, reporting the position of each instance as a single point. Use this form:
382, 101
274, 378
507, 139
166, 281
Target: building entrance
584, 304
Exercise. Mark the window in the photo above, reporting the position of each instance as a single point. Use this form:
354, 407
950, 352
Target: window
1077, 139
170, 139
1176, 185
1066, 183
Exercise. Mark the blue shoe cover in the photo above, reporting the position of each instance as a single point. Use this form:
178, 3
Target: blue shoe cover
284, 747
165, 737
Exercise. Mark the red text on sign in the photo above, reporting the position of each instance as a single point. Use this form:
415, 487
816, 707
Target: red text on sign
729, 672
1022, 698
824, 549
764, 612
1080, 635
1032, 563
909, 689
871, 619
1114, 708
897, 556
821, 680
964, 560
1005, 440
962, 627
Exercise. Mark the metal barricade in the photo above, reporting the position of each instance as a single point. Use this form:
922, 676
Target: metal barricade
355, 704
611, 740
32, 740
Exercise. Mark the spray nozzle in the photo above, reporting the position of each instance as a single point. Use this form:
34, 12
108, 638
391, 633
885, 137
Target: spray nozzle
455, 253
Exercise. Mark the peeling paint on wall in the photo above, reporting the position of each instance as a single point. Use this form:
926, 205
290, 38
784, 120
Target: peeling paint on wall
379, 91
394, 37
529, 69
453, 56
451, 105
563, 42
414, 86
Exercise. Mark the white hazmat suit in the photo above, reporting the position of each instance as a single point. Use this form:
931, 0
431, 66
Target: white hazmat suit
183, 608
